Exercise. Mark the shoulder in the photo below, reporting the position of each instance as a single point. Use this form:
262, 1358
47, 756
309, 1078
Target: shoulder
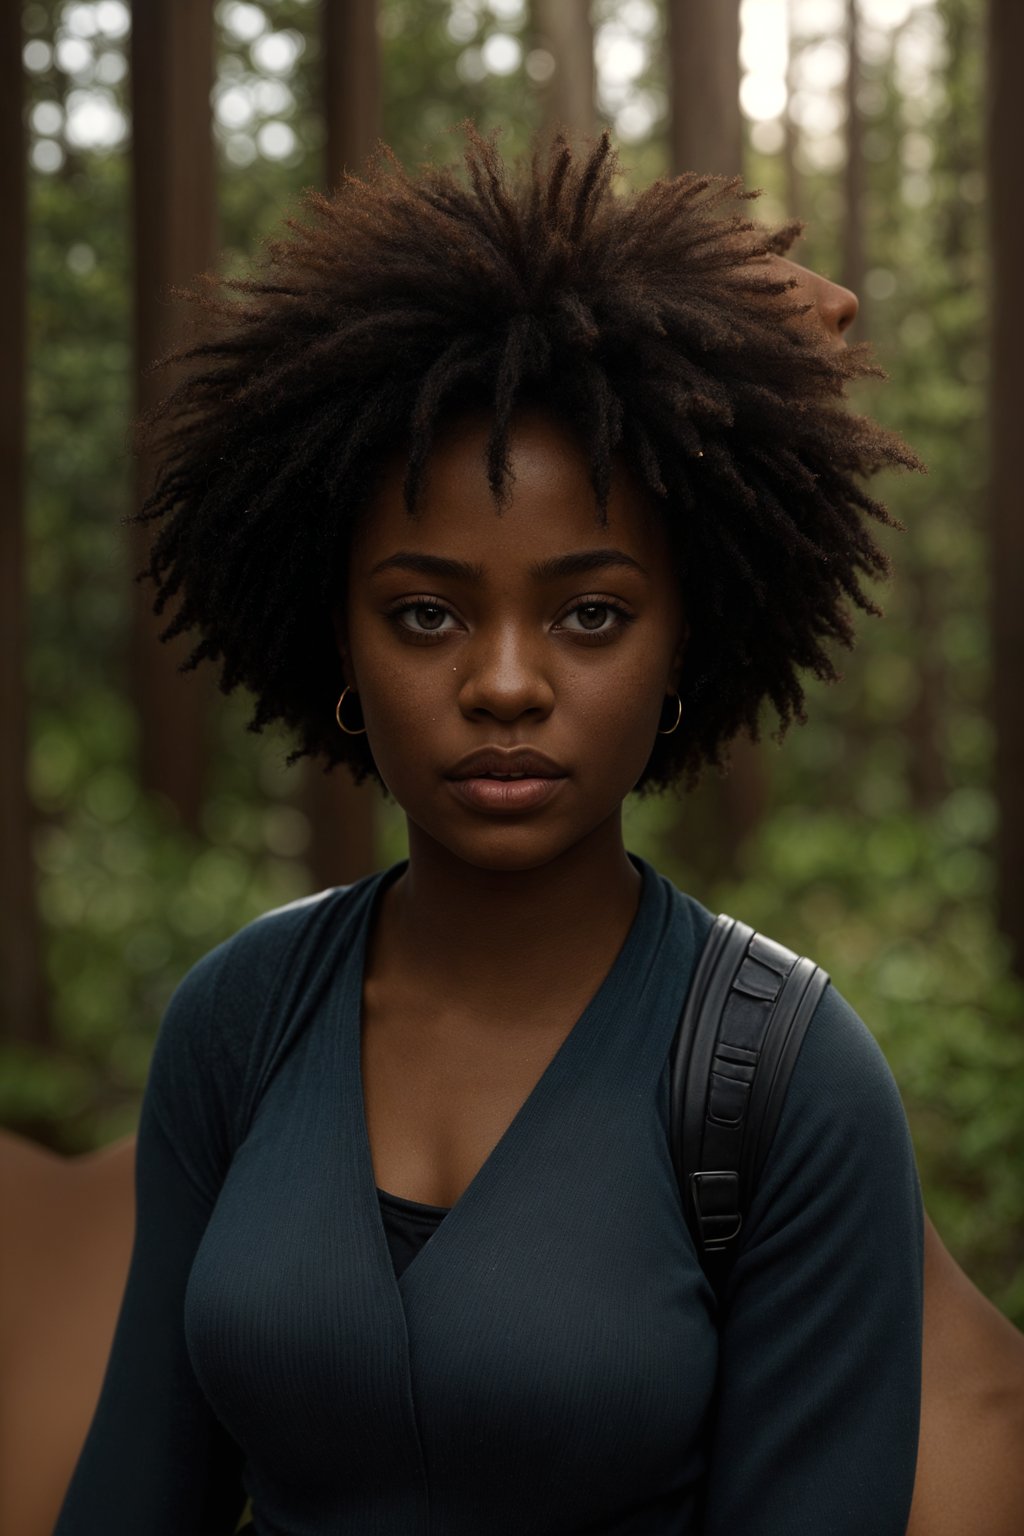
842, 1140
840, 1074
223, 1020
842, 1147
842, 1080
249, 960
840, 1063
213, 1013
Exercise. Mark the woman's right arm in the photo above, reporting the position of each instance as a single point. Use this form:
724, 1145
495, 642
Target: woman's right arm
970, 1461
156, 1459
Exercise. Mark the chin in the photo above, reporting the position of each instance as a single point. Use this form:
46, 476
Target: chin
511, 861
498, 845
504, 850
503, 846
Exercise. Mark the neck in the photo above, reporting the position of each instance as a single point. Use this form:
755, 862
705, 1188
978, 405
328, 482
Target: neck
490, 941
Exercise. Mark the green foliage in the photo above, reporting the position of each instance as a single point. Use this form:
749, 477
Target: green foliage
129, 903
886, 874
437, 75
79, 402
876, 856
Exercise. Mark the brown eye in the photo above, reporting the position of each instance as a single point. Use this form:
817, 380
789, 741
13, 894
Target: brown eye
422, 620
592, 615
601, 621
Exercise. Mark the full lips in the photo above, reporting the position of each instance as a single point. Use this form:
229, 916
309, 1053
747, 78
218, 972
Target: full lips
505, 795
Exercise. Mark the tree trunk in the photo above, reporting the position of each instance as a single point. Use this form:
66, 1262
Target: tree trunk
342, 816
956, 157
704, 86
351, 84
1005, 133
790, 127
564, 29
853, 174
23, 1013
175, 238
718, 820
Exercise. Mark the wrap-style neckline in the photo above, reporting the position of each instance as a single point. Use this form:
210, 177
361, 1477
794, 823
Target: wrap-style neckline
459, 1217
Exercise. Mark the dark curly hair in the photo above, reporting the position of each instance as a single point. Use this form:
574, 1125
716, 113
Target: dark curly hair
650, 323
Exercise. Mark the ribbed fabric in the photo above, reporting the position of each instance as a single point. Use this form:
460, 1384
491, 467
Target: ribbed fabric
548, 1361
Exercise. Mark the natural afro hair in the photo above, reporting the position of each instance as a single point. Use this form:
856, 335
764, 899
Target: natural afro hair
654, 324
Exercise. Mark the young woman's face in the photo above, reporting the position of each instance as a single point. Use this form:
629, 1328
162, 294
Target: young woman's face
536, 628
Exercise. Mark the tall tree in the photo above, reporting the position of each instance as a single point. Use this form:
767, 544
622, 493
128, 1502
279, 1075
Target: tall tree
955, 237
564, 29
704, 86
854, 168
175, 238
1005, 134
22, 995
707, 136
342, 815
790, 127
351, 84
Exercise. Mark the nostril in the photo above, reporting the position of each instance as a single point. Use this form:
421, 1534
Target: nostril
846, 307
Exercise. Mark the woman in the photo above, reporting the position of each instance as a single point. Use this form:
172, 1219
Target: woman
518, 499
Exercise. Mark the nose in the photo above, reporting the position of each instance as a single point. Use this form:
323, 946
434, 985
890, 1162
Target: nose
503, 678
835, 306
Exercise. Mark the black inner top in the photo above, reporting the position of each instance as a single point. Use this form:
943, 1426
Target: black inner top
407, 1224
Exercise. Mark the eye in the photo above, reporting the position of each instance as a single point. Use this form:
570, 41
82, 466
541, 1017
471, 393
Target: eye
599, 618
423, 618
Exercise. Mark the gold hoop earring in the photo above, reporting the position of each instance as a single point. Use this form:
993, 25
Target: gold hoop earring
675, 724
337, 715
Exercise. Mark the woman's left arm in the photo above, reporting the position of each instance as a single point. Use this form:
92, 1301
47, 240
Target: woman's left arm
818, 1403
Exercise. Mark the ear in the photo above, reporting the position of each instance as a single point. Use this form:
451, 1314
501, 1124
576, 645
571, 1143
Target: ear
678, 657
341, 642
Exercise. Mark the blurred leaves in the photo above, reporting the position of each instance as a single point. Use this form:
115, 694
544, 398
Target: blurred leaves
877, 858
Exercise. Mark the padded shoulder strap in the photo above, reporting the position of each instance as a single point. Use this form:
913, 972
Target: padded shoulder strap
740, 1032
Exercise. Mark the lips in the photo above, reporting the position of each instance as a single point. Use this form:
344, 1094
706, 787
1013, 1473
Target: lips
506, 780
506, 763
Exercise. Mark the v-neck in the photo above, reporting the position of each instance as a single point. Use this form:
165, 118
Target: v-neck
531, 1106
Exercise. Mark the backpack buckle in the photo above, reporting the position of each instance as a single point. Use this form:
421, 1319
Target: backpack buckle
715, 1197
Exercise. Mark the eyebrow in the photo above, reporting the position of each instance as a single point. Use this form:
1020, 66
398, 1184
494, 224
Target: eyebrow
577, 563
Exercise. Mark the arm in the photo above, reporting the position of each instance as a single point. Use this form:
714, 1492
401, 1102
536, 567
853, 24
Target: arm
970, 1466
156, 1459
820, 1363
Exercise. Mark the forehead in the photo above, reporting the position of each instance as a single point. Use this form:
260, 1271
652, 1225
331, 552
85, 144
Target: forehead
551, 506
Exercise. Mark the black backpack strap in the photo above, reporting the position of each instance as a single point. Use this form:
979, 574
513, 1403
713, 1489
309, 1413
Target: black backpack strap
746, 1012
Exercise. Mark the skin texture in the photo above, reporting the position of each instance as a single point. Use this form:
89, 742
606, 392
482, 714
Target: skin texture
970, 1471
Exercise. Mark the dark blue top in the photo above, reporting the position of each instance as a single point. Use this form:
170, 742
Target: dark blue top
549, 1360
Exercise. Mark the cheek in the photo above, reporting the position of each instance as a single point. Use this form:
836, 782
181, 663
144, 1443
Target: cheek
613, 703
398, 698
410, 703
627, 736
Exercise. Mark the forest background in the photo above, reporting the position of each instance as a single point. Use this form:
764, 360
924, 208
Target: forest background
869, 839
